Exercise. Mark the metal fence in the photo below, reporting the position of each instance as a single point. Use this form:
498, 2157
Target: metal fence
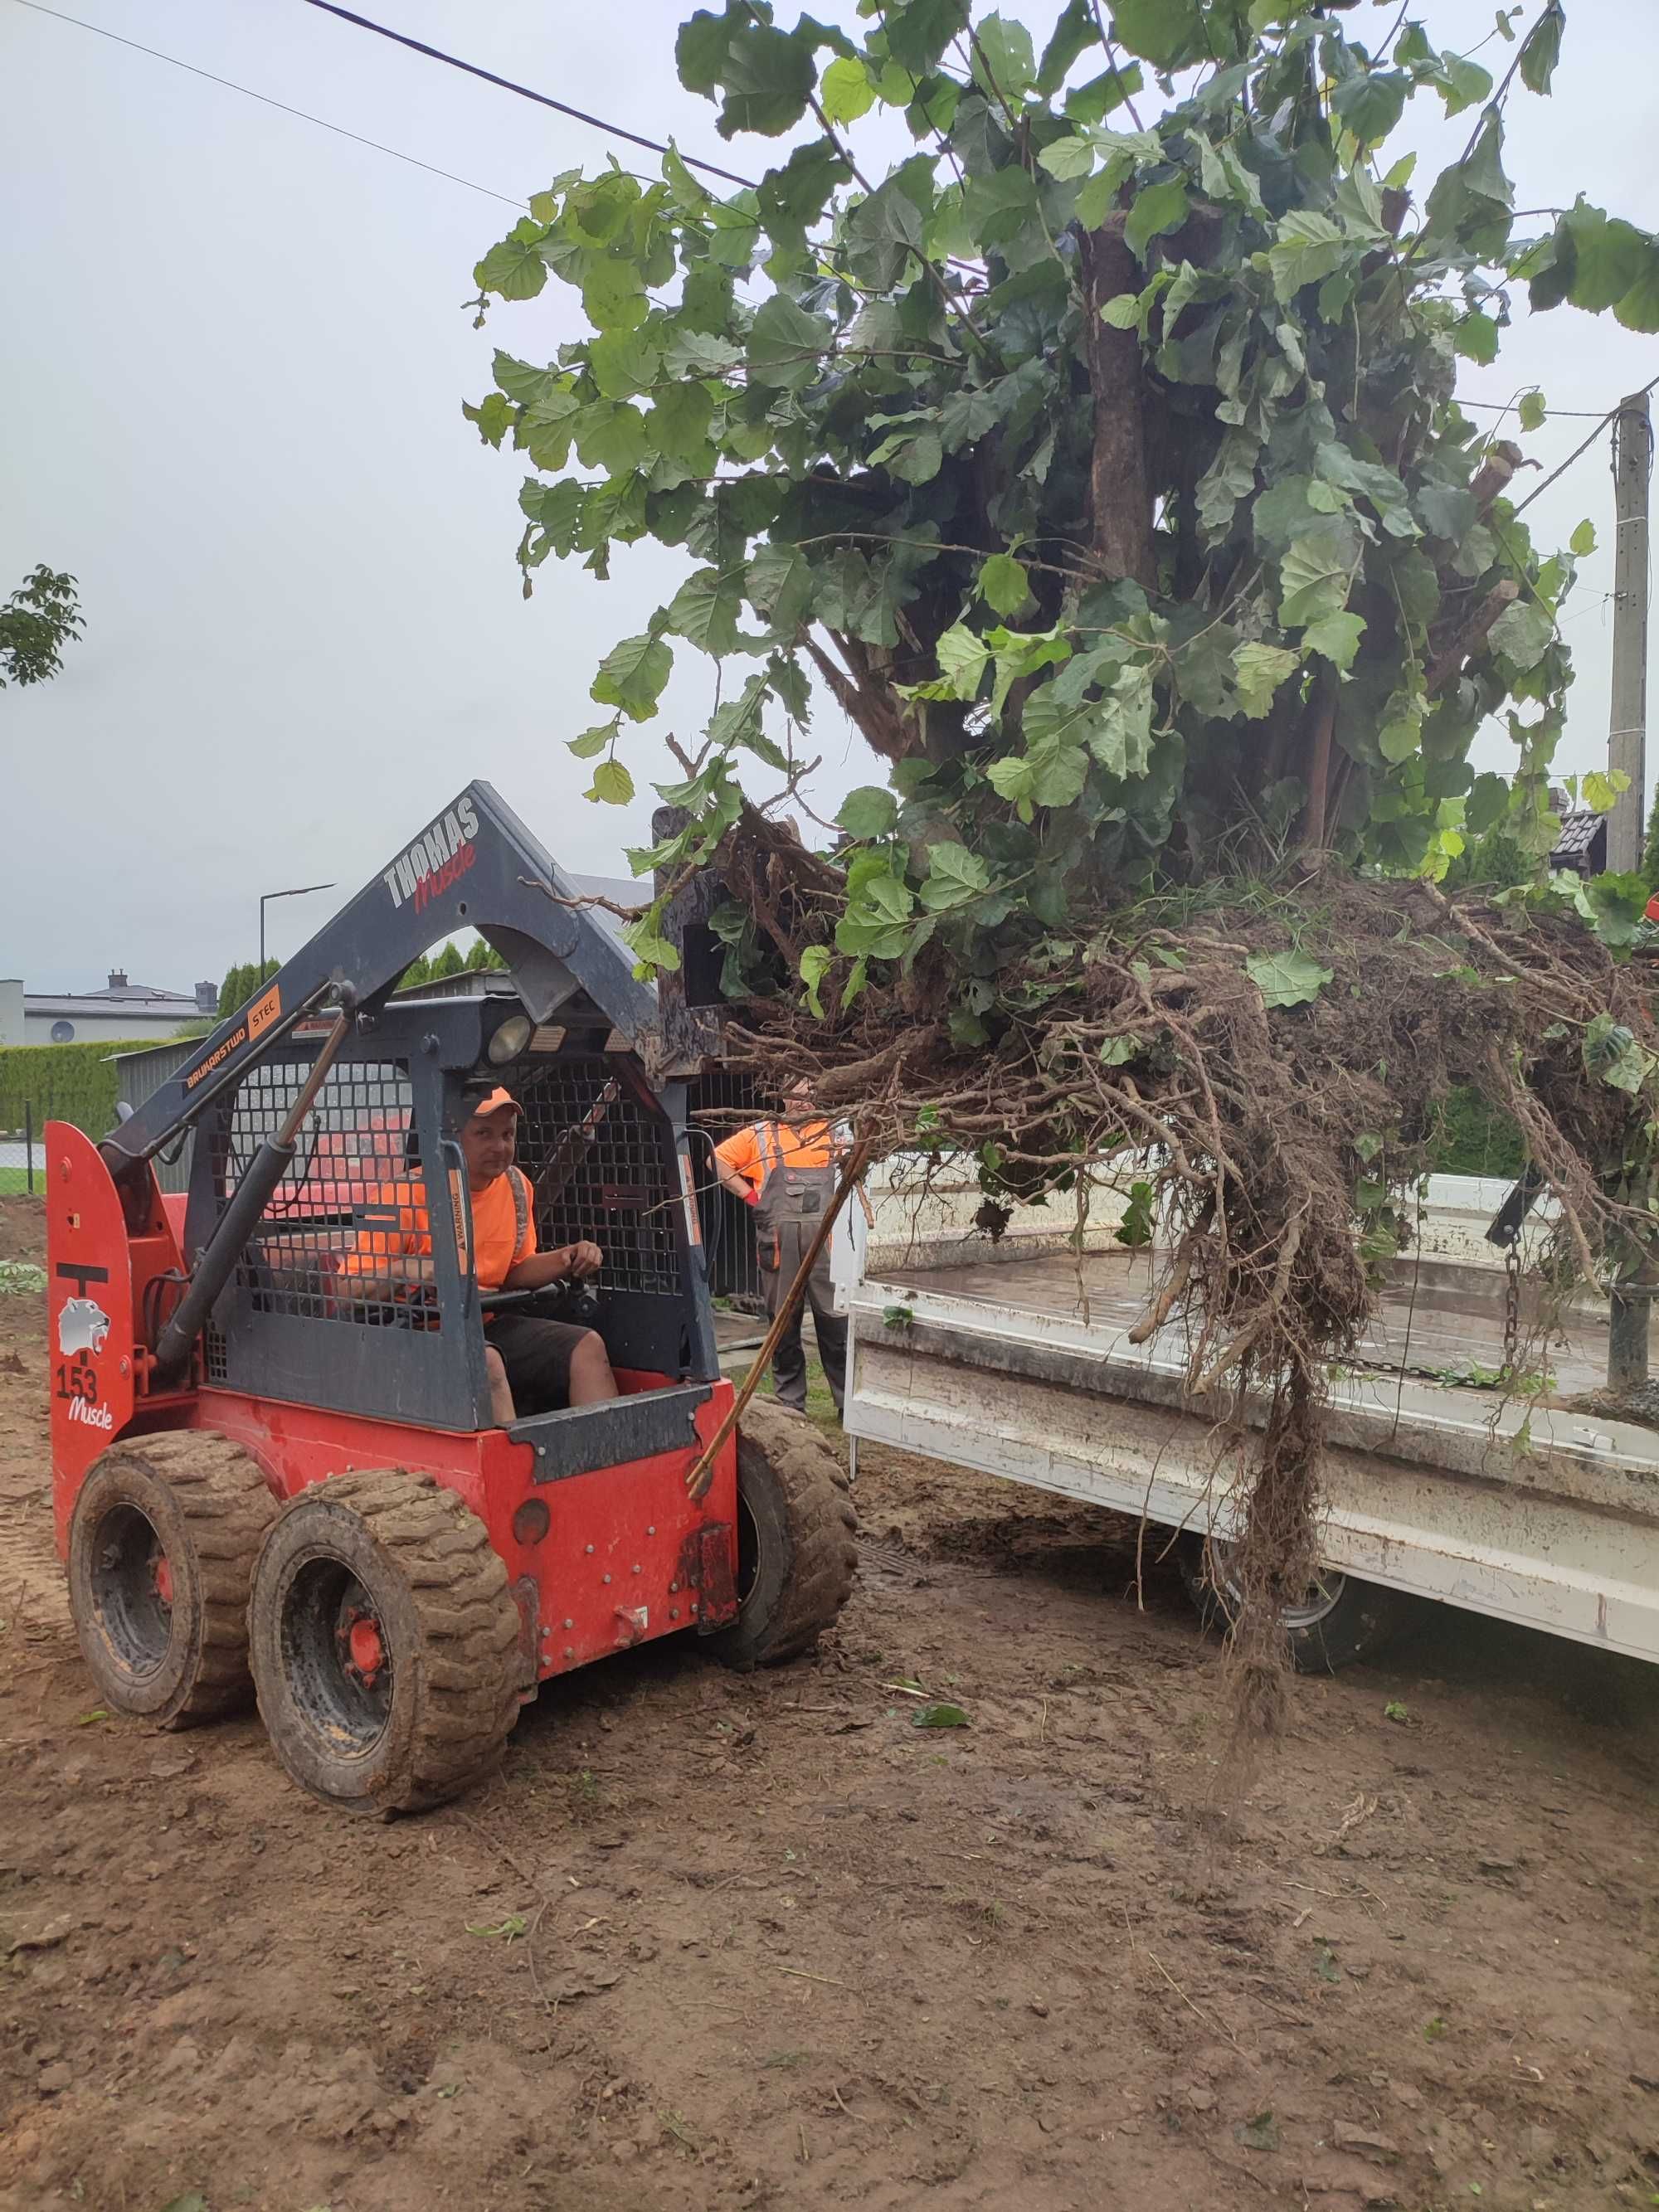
22, 1155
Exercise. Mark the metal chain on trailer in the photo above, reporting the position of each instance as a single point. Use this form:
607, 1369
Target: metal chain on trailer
1511, 1307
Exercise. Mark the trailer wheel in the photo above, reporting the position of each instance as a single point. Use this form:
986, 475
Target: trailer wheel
384, 1643
796, 1556
1342, 1619
161, 1546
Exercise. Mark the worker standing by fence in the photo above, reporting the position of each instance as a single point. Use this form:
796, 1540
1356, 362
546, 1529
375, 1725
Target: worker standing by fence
785, 1168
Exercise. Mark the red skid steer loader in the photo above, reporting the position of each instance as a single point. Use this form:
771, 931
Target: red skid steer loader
273, 1472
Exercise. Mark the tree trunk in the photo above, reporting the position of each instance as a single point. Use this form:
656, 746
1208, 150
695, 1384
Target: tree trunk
1120, 504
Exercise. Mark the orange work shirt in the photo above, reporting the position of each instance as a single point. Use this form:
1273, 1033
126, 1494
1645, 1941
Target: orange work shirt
405, 1230
766, 1145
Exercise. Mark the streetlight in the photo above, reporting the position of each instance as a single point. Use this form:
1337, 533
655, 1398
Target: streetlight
299, 891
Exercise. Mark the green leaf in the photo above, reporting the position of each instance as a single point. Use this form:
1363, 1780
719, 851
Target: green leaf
1122, 311
650, 949
493, 415
1286, 978
613, 295
632, 675
961, 657
1314, 579
522, 382
768, 76
680, 419
594, 740
786, 344
1532, 410
1158, 209
1583, 540
514, 268
1012, 778
815, 964
1541, 49
1337, 636
1308, 247
705, 611
1004, 63
954, 876
1371, 102
1258, 670
1639, 308
966, 414
610, 435
846, 92
612, 784
869, 812
1608, 255
1068, 158
1118, 1051
1522, 634
1462, 83
1139, 1220
1475, 336
191, 2201
1161, 32
939, 1716
1002, 584
1073, 34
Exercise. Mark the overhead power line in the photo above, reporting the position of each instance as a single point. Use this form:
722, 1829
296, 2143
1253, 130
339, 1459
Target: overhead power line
266, 100
1579, 451
524, 91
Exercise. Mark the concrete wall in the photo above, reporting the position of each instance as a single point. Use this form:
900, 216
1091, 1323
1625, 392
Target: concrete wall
114, 1027
11, 1010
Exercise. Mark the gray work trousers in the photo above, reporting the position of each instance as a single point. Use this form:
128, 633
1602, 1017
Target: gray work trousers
789, 1360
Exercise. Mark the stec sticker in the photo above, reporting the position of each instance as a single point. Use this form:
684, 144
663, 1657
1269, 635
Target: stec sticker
265, 1009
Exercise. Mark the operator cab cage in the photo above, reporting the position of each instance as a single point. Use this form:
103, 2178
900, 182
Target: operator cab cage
307, 1314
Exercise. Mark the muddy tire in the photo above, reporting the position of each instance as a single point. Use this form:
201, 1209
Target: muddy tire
796, 1554
1344, 1620
384, 1644
162, 1547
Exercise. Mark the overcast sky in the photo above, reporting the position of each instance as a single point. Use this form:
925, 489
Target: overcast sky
231, 394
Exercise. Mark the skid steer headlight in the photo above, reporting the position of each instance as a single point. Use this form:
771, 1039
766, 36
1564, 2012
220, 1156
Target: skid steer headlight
509, 1040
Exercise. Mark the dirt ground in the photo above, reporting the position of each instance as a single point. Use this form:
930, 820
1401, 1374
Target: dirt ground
713, 1941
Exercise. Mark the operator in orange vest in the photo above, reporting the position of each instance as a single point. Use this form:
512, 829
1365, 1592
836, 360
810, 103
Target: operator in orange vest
536, 1364
785, 1170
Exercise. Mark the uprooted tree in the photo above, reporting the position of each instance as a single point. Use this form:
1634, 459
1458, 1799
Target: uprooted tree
1101, 459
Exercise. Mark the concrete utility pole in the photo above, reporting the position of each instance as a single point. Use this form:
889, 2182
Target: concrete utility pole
1633, 468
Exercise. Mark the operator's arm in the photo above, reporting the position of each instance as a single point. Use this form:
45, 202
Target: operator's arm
730, 1160
391, 1277
576, 1262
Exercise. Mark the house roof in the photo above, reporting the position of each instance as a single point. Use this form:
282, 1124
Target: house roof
1578, 828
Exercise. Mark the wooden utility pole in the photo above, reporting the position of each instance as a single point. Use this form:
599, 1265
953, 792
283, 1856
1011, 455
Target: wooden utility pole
1632, 467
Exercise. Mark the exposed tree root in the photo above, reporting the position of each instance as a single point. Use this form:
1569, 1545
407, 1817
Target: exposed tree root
1280, 1142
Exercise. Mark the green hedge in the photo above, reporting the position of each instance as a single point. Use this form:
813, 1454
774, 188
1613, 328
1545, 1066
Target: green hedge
62, 1083
1475, 1141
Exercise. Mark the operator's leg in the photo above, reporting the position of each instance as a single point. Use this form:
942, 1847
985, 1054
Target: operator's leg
500, 1391
551, 1365
830, 1329
591, 1380
788, 1359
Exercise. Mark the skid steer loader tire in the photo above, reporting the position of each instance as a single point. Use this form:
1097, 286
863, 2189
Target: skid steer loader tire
162, 1547
796, 1554
384, 1643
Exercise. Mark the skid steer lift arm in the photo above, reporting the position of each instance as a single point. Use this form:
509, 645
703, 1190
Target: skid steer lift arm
477, 867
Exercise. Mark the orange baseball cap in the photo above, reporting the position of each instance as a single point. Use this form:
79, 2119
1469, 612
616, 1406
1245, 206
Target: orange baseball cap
497, 1101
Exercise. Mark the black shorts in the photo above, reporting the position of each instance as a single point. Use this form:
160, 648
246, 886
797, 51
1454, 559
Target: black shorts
537, 1356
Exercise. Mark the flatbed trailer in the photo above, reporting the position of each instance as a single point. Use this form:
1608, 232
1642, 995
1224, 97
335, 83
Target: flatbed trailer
1522, 1508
